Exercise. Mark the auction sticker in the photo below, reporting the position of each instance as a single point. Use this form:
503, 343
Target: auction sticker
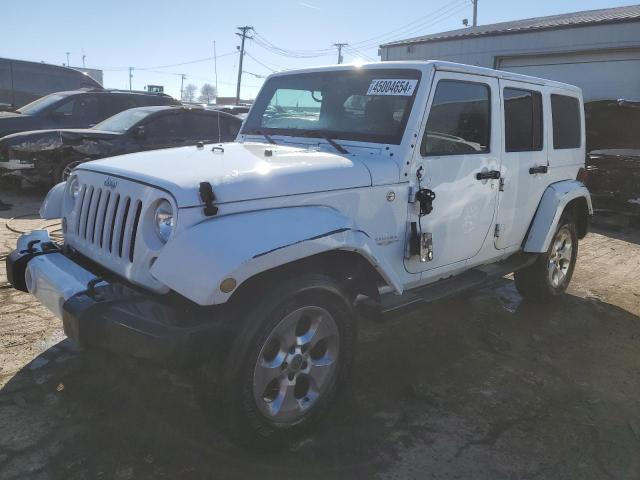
392, 86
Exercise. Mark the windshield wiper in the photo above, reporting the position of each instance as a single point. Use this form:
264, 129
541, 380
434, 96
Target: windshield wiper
334, 144
260, 132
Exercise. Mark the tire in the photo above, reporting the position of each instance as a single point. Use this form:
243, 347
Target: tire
551, 274
62, 171
272, 394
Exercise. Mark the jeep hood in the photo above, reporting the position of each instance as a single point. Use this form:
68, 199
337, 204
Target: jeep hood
237, 171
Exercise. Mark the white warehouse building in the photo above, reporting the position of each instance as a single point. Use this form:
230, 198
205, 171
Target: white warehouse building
597, 50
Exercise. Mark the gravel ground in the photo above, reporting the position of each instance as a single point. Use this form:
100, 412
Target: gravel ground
482, 386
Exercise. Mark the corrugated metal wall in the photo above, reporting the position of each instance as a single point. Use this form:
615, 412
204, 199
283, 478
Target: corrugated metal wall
593, 41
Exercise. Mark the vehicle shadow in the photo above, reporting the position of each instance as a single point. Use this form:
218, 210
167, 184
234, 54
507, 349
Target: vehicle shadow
482, 386
618, 226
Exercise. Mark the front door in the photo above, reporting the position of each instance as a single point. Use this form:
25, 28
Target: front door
459, 159
524, 161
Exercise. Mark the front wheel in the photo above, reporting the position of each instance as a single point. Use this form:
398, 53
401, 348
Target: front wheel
550, 275
62, 172
288, 363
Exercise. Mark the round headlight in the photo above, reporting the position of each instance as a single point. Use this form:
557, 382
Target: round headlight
74, 187
164, 220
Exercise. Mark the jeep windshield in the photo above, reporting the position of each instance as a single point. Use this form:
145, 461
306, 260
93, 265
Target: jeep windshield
360, 104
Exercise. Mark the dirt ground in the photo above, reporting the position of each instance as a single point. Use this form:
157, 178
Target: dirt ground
482, 386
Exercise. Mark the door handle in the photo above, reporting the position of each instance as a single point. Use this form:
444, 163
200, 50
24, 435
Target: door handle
540, 169
488, 175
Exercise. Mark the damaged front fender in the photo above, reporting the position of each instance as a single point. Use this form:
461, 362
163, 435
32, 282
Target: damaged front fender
243, 245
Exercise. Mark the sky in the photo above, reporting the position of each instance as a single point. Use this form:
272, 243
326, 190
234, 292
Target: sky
164, 40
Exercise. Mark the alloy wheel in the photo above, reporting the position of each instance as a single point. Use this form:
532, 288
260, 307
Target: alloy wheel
296, 365
560, 257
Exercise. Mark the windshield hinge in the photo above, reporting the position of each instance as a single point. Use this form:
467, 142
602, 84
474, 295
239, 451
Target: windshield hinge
498, 231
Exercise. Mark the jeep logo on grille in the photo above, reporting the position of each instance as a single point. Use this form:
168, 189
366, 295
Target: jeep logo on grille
110, 182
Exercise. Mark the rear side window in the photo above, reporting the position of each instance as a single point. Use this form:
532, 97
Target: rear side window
459, 121
566, 122
523, 120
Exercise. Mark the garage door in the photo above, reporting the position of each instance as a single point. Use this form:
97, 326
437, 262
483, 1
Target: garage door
601, 75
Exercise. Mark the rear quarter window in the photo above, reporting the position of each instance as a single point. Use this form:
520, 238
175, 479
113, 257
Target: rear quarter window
565, 111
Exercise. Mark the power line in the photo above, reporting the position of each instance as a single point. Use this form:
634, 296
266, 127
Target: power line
449, 12
411, 25
430, 19
259, 62
355, 51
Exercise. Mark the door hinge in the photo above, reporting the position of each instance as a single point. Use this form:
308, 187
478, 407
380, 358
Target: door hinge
501, 185
498, 230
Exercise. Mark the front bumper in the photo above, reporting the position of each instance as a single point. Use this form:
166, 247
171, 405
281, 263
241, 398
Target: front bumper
112, 314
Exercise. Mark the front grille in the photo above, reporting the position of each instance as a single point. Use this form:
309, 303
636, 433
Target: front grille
107, 224
107, 221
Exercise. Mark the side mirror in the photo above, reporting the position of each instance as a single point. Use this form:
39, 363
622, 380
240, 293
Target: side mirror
139, 132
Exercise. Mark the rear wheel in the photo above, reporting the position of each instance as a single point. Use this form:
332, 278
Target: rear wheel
551, 274
288, 363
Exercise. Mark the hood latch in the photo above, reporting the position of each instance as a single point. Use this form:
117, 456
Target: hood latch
208, 197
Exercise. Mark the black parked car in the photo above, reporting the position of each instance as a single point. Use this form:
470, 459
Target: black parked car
46, 157
76, 109
613, 146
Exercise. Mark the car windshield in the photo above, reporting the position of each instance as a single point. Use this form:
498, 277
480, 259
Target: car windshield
123, 121
369, 105
41, 104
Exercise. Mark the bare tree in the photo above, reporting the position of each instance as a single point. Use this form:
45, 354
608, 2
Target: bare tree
189, 93
208, 93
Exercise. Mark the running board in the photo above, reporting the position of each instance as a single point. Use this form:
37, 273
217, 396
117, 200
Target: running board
392, 305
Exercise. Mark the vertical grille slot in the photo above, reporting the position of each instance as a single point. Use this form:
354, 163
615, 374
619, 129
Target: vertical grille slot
84, 219
80, 205
123, 225
113, 222
93, 215
134, 231
104, 219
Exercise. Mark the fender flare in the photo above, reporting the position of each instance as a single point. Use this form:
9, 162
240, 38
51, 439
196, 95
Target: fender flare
242, 245
553, 203
51, 207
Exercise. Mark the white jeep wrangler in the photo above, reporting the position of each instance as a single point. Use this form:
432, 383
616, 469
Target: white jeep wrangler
376, 187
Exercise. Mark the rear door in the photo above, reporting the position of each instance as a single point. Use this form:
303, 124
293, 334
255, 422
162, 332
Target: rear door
459, 152
525, 169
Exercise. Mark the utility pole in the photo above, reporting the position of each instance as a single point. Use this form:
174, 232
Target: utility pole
130, 77
244, 36
182, 77
340, 46
215, 67
475, 13
68, 65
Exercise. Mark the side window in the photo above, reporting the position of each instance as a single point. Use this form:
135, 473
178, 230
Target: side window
523, 120
81, 107
168, 127
116, 103
566, 122
205, 126
459, 121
